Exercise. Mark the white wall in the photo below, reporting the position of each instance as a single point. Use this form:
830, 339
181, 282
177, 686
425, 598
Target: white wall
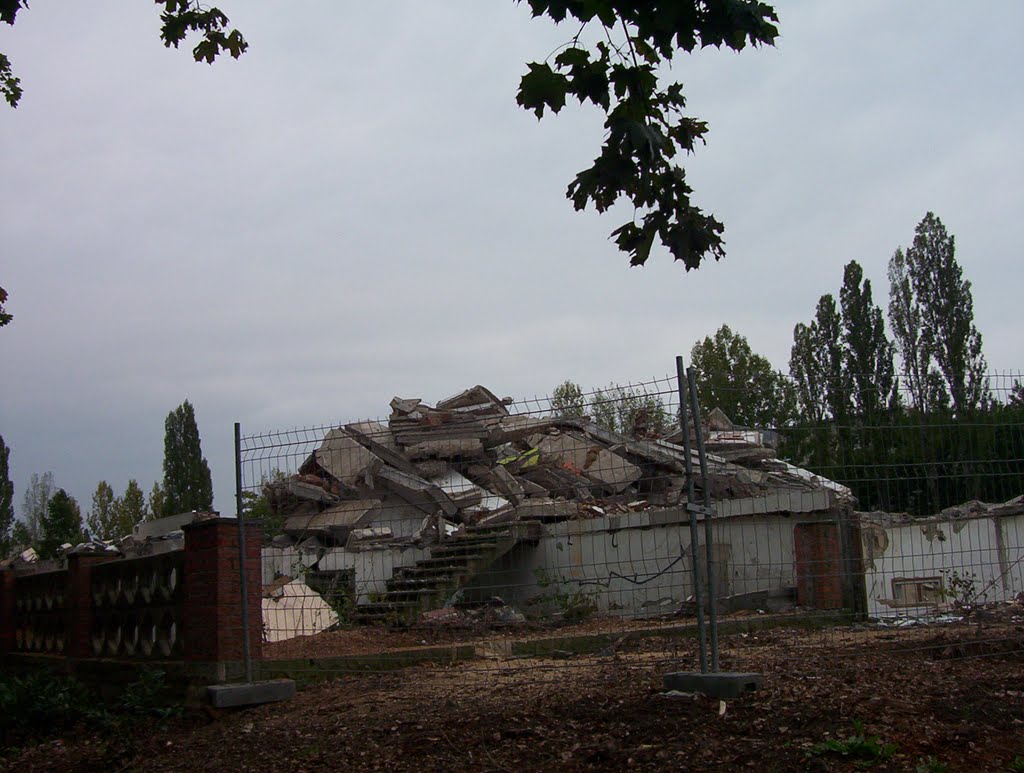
990, 548
632, 564
627, 566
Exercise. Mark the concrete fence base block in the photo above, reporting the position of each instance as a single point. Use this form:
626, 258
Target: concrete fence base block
723, 685
223, 696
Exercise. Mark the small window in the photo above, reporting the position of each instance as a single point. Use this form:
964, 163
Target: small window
917, 591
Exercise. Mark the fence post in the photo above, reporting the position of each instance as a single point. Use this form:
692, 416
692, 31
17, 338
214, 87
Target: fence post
212, 613
691, 501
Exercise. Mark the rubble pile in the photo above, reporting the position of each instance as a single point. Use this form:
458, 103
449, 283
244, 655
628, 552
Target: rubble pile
468, 460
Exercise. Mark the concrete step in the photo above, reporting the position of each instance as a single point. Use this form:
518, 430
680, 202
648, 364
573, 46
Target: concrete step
459, 559
461, 548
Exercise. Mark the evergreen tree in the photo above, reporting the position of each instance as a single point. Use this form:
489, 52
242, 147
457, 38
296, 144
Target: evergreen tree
33, 507
6, 499
129, 510
868, 351
943, 300
741, 383
61, 523
187, 482
99, 521
156, 502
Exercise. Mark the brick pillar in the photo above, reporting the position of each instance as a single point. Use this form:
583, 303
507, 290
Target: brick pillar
78, 604
819, 565
7, 626
212, 614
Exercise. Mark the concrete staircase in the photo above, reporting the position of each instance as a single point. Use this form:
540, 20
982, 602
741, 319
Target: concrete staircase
452, 564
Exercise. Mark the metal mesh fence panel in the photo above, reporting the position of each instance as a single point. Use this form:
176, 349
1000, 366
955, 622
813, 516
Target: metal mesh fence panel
555, 533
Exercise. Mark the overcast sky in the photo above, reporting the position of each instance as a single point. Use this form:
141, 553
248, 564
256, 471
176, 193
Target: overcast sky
357, 209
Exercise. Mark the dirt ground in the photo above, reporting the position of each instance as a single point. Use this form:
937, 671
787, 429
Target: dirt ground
930, 699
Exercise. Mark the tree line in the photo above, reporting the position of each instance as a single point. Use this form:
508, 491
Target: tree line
905, 413
51, 517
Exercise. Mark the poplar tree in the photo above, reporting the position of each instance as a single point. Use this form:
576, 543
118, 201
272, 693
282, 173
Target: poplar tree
156, 502
187, 482
129, 509
100, 519
33, 507
816, 364
868, 351
931, 310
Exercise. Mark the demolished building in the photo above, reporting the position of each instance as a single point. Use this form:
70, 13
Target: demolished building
463, 501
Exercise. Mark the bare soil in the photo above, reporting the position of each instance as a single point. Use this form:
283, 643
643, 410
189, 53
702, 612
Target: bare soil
949, 698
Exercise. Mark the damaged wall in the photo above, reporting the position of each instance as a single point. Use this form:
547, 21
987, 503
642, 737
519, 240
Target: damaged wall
907, 564
640, 564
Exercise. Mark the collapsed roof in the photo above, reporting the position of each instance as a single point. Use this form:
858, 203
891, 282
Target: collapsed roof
471, 461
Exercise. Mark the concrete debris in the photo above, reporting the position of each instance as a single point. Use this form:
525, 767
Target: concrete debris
291, 608
346, 459
93, 547
468, 461
360, 539
336, 521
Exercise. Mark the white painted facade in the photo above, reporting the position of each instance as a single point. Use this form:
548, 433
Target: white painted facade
908, 564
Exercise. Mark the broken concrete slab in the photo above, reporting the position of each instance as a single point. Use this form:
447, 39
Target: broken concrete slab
226, 696
460, 489
477, 400
496, 479
295, 609
511, 429
724, 685
387, 450
336, 521
284, 494
584, 456
464, 448
358, 539
375, 431
420, 493
545, 510
346, 459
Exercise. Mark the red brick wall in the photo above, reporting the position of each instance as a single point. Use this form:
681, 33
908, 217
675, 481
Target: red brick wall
6, 611
78, 605
212, 614
819, 565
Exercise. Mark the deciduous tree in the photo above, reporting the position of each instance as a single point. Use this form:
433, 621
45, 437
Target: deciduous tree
816, 365
129, 509
932, 315
568, 400
33, 507
100, 519
620, 73
187, 482
740, 382
629, 411
868, 351
156, 501
5, 317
